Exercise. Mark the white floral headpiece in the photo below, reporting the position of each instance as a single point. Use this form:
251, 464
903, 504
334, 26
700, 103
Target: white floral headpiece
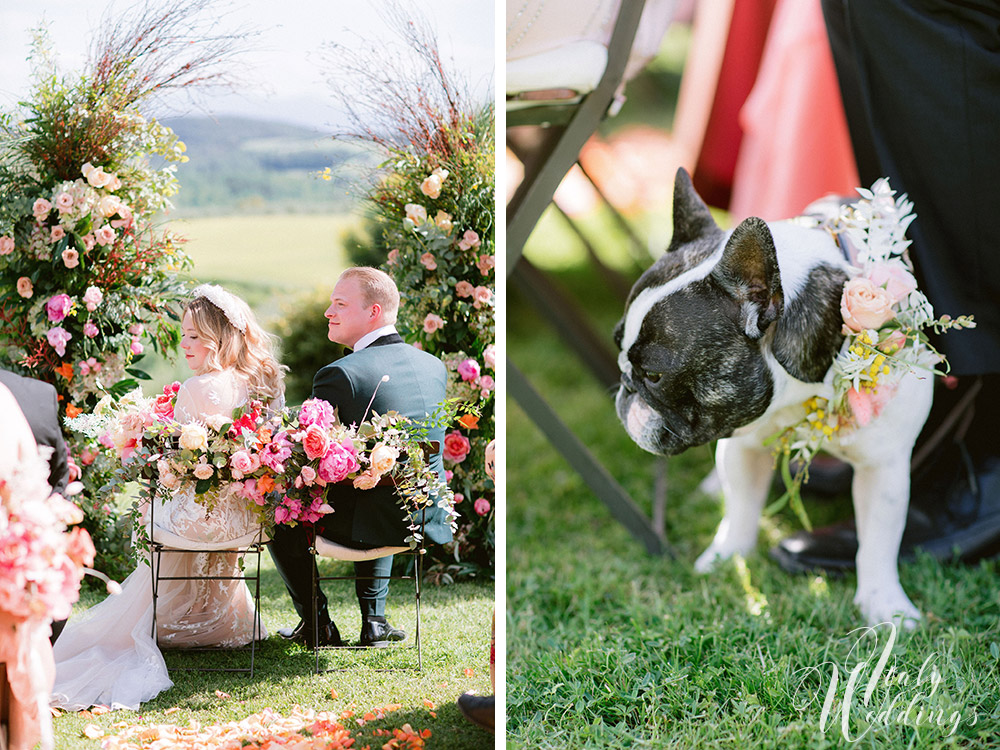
225, 302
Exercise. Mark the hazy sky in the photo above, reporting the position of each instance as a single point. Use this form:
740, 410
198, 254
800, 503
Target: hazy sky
282, 65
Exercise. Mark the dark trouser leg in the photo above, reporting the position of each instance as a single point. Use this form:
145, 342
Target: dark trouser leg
372, 593
290, 551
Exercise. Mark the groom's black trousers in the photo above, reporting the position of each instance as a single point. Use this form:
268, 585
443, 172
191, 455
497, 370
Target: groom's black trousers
920, 80
290, 551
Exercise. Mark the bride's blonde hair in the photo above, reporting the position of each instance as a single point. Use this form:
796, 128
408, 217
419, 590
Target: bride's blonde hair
250, 352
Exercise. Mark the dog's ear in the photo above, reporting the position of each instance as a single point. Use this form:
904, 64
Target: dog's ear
748, 272
692, 219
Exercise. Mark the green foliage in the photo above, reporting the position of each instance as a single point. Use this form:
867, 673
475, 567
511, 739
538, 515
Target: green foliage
304, 348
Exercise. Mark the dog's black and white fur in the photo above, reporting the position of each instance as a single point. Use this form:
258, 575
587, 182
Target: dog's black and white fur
725, 337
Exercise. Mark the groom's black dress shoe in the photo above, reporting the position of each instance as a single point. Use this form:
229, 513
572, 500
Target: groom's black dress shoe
378, 633
328, 635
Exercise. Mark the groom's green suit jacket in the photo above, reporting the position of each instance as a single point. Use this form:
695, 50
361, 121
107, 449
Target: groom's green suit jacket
415, 387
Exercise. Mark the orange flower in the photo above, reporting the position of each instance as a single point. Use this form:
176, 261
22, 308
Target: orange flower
264, 436
66, 370
73, 411
334, 694
469, 672
265, 483
469, 421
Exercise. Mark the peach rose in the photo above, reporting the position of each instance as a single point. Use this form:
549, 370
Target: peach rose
365, 480
415, 213
203, 471
428, 262
469, 240
433, 323
25, 288
464, 289
481, 296
865, 306
443, 221
41, 209
109, 205
6, 245
193, 437
383, 458
70, 258
104, 235
315, 442
57, 233
431, 186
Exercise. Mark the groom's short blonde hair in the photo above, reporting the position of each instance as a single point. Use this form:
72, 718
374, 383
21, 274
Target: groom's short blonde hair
377, 288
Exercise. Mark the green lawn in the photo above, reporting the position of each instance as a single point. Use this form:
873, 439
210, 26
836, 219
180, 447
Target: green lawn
608, 647
269, 260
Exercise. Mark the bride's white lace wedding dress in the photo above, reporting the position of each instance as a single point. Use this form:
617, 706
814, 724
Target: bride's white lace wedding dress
107, 656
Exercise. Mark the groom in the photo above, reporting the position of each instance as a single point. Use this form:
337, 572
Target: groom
361, 316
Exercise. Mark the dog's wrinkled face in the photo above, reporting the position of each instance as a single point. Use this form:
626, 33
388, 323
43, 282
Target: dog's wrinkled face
692, 365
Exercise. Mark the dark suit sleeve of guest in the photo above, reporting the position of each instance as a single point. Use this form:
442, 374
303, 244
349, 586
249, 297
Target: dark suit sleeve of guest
333, 384
58, 465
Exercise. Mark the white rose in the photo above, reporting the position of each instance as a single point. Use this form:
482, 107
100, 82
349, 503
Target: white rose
194, 437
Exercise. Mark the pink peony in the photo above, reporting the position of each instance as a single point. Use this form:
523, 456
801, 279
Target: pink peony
316, 411
25, 287
464, 289
481, 506
490, 356
70, 258
428, 262
468, 369
275, 453
57, 233
864, 305
456, 447
58, 338
93, 297
6, 245
433, 323
58, 307
339, 461
469, 240
41, 209
104, 235
315, 442
90, 330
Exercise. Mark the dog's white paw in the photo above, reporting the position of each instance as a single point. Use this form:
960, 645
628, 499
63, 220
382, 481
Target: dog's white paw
879, 605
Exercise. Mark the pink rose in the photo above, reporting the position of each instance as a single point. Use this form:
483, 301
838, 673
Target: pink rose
431, 186
485, 264
459, 497
482, 296
308, 475
469, 240
163, 408
468, 369
338, 462
93, 297
393, 258
490, 356
25, 287
865, 305
96, 176
486, 385
89, 241
126, 217
893, 342
894, 278
137, 329
41, 209
70, 258
481, 506
241, 463
456, 447
136, 347
64, 202
415, 213
315, 442
428, 262
6, 245
433, 323
57, 233
90, 330
104, 235
58, 307
89, 365
464, 289
490, 459
366, 480
203, 471
58, 338
109, 205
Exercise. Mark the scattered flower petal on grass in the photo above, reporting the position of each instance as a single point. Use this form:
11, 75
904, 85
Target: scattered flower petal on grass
92, 732
468, 672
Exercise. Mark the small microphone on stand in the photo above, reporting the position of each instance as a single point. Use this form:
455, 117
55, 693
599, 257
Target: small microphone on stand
385, 379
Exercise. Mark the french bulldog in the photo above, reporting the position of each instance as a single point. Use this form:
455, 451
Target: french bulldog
723, 338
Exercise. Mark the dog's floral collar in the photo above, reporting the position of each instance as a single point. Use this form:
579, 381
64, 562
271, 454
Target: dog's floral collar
885, 316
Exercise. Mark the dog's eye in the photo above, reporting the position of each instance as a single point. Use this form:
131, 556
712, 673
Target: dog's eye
654, 377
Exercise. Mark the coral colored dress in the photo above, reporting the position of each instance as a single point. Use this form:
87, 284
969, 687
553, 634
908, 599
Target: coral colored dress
107, 656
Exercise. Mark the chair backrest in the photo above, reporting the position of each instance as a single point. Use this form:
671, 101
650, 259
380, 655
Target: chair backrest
326, 548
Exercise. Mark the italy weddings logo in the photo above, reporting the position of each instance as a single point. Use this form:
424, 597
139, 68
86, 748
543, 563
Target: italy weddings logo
878, 688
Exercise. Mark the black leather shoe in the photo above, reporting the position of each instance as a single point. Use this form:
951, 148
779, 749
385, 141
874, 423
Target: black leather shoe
328, 635
954, 514
479, 709
379, 633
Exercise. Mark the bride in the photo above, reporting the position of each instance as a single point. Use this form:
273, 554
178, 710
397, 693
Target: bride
107, 656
